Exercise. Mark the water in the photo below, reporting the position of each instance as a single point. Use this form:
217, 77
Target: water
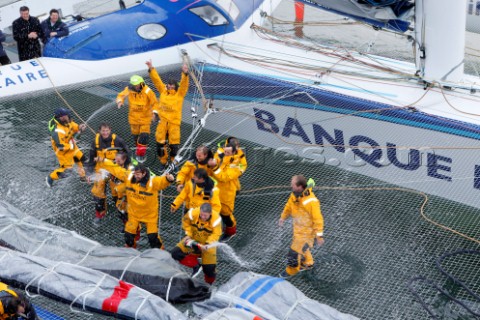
227, 250
103, 108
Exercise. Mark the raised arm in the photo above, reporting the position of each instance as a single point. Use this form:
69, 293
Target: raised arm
184, 82
157, 81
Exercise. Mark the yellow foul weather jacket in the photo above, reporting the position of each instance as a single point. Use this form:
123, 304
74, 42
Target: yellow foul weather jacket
5, 294
142, 197
186, 172
140, 104
63, 142
170, 105
194, 196
306, 214
204, 232
227, 174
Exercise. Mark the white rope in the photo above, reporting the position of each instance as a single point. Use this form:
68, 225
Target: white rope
88, 253
191, 138
5, 254
85, 294
237, 301
243, 282
141, 305
292, 308
15, 221
128, 265
170, 284
39, 247
40, 277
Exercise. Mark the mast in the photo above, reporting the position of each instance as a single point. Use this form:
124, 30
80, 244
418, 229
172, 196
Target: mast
440, 39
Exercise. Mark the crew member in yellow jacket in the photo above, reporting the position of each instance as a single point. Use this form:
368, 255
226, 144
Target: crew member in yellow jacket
105, 145
14, 305
141, 101
304, 209
197, 191
169, 113
123, 160
62, 130
198, 161
228, 165
142, 199
203, 226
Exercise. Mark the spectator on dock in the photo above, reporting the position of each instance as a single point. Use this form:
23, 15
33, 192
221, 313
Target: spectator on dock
53, 27
27, 32
4, 60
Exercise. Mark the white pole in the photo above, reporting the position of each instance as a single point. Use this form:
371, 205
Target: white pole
440, 36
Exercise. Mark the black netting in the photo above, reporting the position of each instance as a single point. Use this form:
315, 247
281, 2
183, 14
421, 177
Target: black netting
379, 236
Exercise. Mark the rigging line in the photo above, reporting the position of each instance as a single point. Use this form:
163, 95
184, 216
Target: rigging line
457, 281
267, 62
327, 23
427, 90
295, 42
189, 142
268, 127
406, 107
432, 88
442, 90
393, 101
62, 98
188, 62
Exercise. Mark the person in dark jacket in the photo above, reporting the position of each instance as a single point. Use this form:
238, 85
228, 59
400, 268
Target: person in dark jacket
53, 27
4, 60
27, 32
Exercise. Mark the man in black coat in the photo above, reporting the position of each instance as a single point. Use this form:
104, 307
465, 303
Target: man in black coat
53, 27
4, 60
27, 32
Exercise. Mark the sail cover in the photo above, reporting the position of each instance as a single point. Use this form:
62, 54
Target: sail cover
395, 15
83, 287
153, 270
267, 297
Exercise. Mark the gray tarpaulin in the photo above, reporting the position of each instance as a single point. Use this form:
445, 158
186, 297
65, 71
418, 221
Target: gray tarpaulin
232, 314
153, 270
269, 298
85, 288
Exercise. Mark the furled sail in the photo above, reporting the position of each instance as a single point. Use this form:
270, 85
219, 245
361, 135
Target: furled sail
82, 287
389, 14
267, 297
153, 270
